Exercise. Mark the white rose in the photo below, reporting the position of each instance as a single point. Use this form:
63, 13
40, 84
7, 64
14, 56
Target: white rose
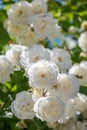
80, 70
34, 54
6, 68
38, 6
77, 104
80, 103
13, 54
43, 74
19, 12
66, 88
17, 30
22, 106
45, 26
62, 58
49, 109
82, 41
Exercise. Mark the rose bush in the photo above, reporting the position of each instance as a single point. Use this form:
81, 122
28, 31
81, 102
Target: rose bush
43, 64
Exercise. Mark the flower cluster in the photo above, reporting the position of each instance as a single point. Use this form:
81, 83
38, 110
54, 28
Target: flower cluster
51, 86
30, 23
54, 83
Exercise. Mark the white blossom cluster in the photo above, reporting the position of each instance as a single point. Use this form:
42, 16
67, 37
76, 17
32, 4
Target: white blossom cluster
30, 23
74, 106
53, 80
59, 56
51, 86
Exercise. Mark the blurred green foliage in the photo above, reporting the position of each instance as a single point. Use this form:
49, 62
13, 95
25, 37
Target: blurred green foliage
68, 13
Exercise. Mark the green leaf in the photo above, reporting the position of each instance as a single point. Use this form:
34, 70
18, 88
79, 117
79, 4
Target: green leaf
19, 79
4, 37
83, 90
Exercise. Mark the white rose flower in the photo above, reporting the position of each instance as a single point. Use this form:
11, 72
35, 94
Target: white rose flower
80, 103
13, 54
49, 109
45, 27
17, 30
77, 104
34, 54
39, 6
82, 41
80, 70
6, 68
19, 12
62, 58
66, 88
43, 74
22, 106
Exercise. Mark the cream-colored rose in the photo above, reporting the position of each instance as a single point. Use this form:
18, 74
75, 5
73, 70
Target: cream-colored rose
22, 106
67, 87
45, 26
49, 109
62, 58
13, 54
43, 74
19, 12
38, 7
17, 30
82, 41
80, 70
6, 68
35, 53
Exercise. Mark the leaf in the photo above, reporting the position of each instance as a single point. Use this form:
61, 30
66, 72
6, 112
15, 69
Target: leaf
18, 78
4, 37
83, 90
